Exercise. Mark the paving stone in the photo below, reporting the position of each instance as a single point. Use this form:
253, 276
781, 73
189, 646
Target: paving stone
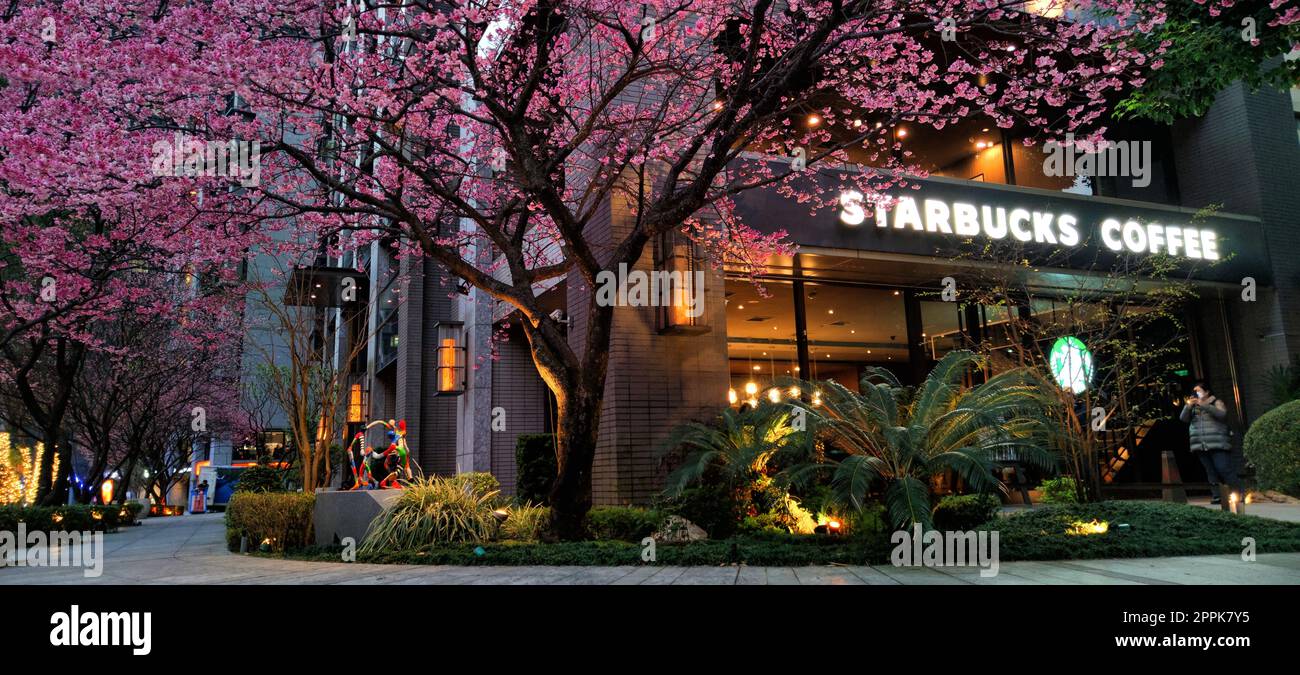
191, 550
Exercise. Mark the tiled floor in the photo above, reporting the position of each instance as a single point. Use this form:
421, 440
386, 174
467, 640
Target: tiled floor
191, 550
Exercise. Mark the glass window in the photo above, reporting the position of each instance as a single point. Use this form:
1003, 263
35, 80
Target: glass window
967, 150
851, 328
760, 337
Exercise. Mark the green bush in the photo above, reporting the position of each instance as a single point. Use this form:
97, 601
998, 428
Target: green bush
965, 512
479, 482
525, 523
758, 549
711, 506
433, 511
625, 523
535, 464
277, 520
1154, 529
260, 478
762, 523
1058, 491
71, 517
1272, 445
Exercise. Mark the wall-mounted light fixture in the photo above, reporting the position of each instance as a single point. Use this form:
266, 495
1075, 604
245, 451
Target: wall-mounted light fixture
450, 377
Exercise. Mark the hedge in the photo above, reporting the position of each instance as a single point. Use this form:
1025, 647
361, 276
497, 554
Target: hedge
70, 517
535, 464
1273, 445
275, 520
965, 512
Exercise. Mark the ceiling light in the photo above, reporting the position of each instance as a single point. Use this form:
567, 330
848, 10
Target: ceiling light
751, 388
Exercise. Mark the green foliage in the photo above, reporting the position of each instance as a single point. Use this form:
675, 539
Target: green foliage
1272, 444
713, 507
626, 523
526, 523
896, 438
260, 478
433, 510
1061, 490
1155, 529
732, 467
1207, 54
757, 549
965, 512
737, 448
477, 482
69, 518
279, 520
762, 523
1284, 382
535, 464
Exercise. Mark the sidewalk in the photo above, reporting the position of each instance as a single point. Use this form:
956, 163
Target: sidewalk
191, 550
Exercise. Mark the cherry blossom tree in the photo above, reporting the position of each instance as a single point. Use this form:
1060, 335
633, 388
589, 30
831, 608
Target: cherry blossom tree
494, 135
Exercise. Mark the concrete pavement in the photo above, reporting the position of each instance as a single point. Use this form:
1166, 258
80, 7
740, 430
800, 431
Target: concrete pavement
191, 550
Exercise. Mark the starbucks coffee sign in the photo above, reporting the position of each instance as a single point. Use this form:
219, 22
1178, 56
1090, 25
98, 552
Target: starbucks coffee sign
1057, 224
939, 219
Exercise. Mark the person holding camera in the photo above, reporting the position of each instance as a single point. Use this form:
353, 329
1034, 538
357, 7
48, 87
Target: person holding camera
1211, 440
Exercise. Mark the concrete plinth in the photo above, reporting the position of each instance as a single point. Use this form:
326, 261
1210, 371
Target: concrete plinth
341, 514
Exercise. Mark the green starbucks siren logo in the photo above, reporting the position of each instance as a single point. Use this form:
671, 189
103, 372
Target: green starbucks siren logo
1071, 364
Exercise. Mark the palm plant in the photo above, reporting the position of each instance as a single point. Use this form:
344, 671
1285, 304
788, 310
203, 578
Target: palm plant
898, 437
739, 445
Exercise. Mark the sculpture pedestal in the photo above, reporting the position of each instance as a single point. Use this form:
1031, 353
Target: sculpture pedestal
342, 514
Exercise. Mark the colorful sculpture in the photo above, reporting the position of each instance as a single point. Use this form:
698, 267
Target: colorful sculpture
380, 469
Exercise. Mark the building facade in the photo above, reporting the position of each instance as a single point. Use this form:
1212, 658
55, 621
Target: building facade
866, 289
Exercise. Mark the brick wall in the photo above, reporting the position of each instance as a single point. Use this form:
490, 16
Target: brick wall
522, 396
654, 381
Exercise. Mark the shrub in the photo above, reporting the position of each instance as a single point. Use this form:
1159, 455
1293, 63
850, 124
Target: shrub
71, 517
535, 464
713, 507
478, 482
278, 520
1154, 529
1058, 491
260, 478
625, 523
526, 523
965, 512
763, 522
433, 511
1273, 445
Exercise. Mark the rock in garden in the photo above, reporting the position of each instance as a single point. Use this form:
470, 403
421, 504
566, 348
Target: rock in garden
678, 529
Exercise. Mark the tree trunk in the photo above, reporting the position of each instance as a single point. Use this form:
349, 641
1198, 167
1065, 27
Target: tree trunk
576, 432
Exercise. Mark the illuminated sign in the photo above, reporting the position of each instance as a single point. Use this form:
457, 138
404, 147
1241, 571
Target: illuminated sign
966, 219
1071, 364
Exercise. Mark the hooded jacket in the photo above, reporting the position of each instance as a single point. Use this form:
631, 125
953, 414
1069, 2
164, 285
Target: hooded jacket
1208, 429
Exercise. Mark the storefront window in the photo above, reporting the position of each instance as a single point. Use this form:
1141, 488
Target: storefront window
851, 328
967, 150
761, 343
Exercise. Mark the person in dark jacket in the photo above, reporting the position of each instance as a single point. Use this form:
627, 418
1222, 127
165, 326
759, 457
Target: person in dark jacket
1211, 441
